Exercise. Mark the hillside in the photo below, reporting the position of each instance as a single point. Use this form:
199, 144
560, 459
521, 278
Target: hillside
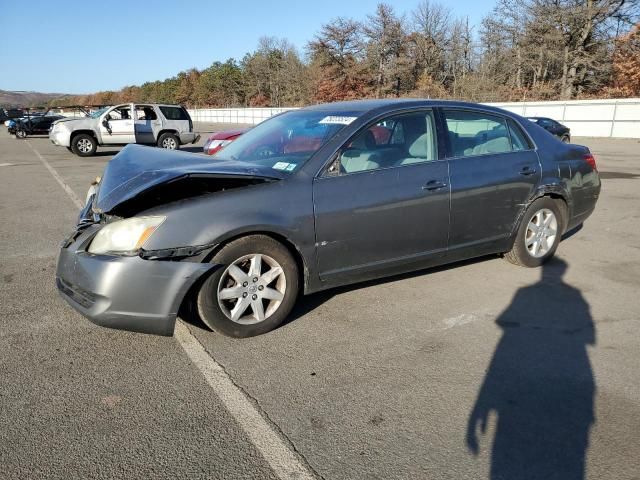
27, 99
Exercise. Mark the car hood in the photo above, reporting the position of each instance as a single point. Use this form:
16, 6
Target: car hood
138, 169
77, 122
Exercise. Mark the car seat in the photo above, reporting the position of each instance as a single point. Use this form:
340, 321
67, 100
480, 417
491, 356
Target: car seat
361, 154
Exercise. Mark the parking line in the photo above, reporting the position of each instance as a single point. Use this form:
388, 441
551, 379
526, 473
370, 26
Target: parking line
281, 458
275, 449
72, 195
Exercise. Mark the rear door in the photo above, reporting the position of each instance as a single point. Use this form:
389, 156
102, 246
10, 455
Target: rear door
384, 201
147, 124
116, 125
493, 169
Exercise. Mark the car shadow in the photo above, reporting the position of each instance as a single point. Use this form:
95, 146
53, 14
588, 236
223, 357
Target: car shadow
192, 149
308, 303
539, 384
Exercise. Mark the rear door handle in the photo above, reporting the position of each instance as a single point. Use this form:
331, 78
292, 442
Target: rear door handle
527, 171
432, 185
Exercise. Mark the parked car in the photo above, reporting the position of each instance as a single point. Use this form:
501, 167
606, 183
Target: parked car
218, 140
556, 128
167, 126
38, 125
13, 113
236, 241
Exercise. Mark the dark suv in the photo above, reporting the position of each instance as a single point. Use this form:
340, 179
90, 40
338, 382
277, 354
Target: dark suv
39, 125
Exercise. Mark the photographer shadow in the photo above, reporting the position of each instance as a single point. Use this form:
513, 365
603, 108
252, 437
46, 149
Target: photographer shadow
539, 384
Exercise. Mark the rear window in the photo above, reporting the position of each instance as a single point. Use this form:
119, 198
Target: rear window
174, 113
518, 139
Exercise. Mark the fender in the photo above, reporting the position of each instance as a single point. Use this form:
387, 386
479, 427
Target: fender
552, 189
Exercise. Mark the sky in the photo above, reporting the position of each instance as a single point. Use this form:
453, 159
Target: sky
71, 46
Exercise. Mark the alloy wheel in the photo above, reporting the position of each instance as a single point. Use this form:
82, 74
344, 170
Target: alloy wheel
84, 145
169, 143
541, 233
251, 289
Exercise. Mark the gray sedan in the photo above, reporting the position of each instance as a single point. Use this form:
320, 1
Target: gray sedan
316, 198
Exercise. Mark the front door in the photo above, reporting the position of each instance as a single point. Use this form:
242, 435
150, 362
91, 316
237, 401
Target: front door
384, 202
116, 126
494, 171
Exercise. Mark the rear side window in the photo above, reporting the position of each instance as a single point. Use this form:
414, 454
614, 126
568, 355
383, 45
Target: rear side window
519, 141
174, 113
477, 133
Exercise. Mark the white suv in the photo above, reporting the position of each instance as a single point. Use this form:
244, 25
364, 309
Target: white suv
167, 126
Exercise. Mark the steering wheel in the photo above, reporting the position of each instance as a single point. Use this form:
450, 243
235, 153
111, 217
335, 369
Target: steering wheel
265, 151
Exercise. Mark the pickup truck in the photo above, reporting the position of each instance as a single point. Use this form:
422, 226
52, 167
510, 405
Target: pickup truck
167, 126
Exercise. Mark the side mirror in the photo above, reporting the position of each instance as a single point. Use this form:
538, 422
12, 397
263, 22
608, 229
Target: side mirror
105, 122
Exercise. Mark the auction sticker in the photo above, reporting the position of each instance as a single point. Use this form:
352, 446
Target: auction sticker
281, 166
334, 119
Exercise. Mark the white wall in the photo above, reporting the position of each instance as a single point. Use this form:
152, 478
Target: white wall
251, 116
585, 118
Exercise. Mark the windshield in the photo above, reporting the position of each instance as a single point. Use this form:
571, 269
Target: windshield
99, 112
287, 141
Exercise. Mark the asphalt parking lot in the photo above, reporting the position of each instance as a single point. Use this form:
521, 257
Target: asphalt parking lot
478, 369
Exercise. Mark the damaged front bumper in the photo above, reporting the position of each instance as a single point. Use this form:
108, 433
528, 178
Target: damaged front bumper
128, 293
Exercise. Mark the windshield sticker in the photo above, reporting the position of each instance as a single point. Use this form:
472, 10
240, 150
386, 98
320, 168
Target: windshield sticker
281, 166
338, 120
291, 167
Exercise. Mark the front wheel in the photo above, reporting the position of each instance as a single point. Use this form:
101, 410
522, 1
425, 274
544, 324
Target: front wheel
20, 133
252, 291
538, 235
84, 145
565, 139
169, 141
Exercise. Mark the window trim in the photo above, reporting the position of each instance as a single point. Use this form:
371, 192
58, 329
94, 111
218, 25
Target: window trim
444, 109
323, 171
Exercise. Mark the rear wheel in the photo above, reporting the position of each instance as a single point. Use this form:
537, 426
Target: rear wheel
84, 145
565, 139
169, 141
538, 235
252, 291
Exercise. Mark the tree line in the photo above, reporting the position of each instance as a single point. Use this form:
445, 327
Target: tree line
522, 50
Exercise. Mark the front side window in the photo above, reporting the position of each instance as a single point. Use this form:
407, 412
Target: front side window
476, 133
395, 141
120, 113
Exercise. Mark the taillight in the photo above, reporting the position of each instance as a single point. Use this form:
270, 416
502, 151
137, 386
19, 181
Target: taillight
591, 160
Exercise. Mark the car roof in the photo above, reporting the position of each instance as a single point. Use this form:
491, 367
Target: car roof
393, 103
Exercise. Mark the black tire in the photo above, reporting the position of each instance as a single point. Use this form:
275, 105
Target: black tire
209, 307
565, 139
84, 145
21, 133
520, 253
169, 141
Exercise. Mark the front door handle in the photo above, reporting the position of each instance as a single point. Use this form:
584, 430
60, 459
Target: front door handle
433, 185
527, 171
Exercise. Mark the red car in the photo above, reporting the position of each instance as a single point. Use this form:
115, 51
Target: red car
218, 140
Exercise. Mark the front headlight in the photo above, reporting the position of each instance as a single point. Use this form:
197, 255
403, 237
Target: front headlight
125, 236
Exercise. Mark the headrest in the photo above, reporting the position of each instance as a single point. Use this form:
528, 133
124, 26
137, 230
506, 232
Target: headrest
365, 142
420, 147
